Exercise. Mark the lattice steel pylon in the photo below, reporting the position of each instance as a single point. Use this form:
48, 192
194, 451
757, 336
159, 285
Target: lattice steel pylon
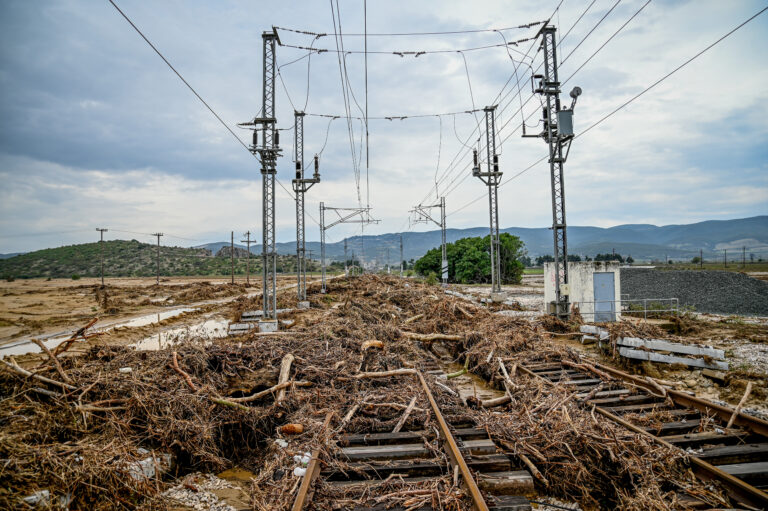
345, 216
491, 178
422, 214
268, 152
300, 186
558, 133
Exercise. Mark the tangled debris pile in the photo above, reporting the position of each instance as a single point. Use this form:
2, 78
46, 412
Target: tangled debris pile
261, 403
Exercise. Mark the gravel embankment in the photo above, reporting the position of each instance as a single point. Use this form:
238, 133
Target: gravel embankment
720, 292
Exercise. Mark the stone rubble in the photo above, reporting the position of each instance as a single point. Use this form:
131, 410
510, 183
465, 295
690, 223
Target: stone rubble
203, 499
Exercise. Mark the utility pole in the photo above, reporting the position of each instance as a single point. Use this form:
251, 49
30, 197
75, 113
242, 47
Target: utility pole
401, 255
345, 216
158, 234
701, 259
389, 267
346, 269
101, 243
558, 133
247, 242
268, 152
422, 214
300, 187
491, 178
232, 253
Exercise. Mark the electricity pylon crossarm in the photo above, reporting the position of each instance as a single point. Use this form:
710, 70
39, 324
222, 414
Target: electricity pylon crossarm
422, 213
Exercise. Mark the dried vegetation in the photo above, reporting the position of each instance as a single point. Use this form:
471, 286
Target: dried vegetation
208, 405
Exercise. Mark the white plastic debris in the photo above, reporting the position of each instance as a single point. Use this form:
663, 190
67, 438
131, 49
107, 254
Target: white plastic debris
125, 370
149, 467
39, 498
281, 443
299, 471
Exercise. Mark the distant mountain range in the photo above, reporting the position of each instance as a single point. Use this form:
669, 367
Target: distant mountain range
644, 242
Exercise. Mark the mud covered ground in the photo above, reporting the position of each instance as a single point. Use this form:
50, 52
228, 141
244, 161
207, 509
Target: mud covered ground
194, 400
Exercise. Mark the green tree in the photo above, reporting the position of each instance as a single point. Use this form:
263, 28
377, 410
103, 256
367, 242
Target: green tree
469, 260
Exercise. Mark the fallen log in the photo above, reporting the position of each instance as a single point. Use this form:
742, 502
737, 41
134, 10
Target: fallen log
464, 311
348, 417
533, 469
187, 377
413, 318
275, 388
313, 469
446, 388
384, 374
53, 358
741, 403
490, 403
433, 337
16, 368
405, 415
588, 367
64, 346
285, 369
224, 402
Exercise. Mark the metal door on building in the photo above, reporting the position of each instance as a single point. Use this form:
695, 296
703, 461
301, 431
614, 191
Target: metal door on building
605, 304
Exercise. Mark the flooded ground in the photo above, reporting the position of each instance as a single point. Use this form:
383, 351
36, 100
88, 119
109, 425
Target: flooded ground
210, 329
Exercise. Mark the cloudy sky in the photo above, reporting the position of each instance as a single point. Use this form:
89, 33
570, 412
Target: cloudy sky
96, 131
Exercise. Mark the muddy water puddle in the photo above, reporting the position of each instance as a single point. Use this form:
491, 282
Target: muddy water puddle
213, 328
24, 347
471, 385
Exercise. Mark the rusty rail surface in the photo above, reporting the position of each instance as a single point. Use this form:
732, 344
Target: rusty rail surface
753, 424
739, 489
454, 454
450, 445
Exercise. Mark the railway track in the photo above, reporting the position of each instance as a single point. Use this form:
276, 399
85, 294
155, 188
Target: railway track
736, 456
373, 460
451, 452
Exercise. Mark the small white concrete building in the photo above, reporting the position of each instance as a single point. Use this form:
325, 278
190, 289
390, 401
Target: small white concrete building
594, 286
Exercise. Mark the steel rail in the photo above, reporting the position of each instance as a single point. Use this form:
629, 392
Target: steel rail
753, 424
454, 454
744, 492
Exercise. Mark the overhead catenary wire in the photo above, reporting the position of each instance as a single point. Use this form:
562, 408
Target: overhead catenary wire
210, 109
450, 187
404, 53
339, 40
564, 60
607, 41
625, 104
458, 156
398, 34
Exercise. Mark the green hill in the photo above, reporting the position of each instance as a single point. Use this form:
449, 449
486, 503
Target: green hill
130, 259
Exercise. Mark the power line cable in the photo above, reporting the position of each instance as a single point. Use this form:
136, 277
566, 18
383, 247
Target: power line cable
226, 126
178, 74
451, 187
563, 61
626, 103
397, 34
404, 53
607, 41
